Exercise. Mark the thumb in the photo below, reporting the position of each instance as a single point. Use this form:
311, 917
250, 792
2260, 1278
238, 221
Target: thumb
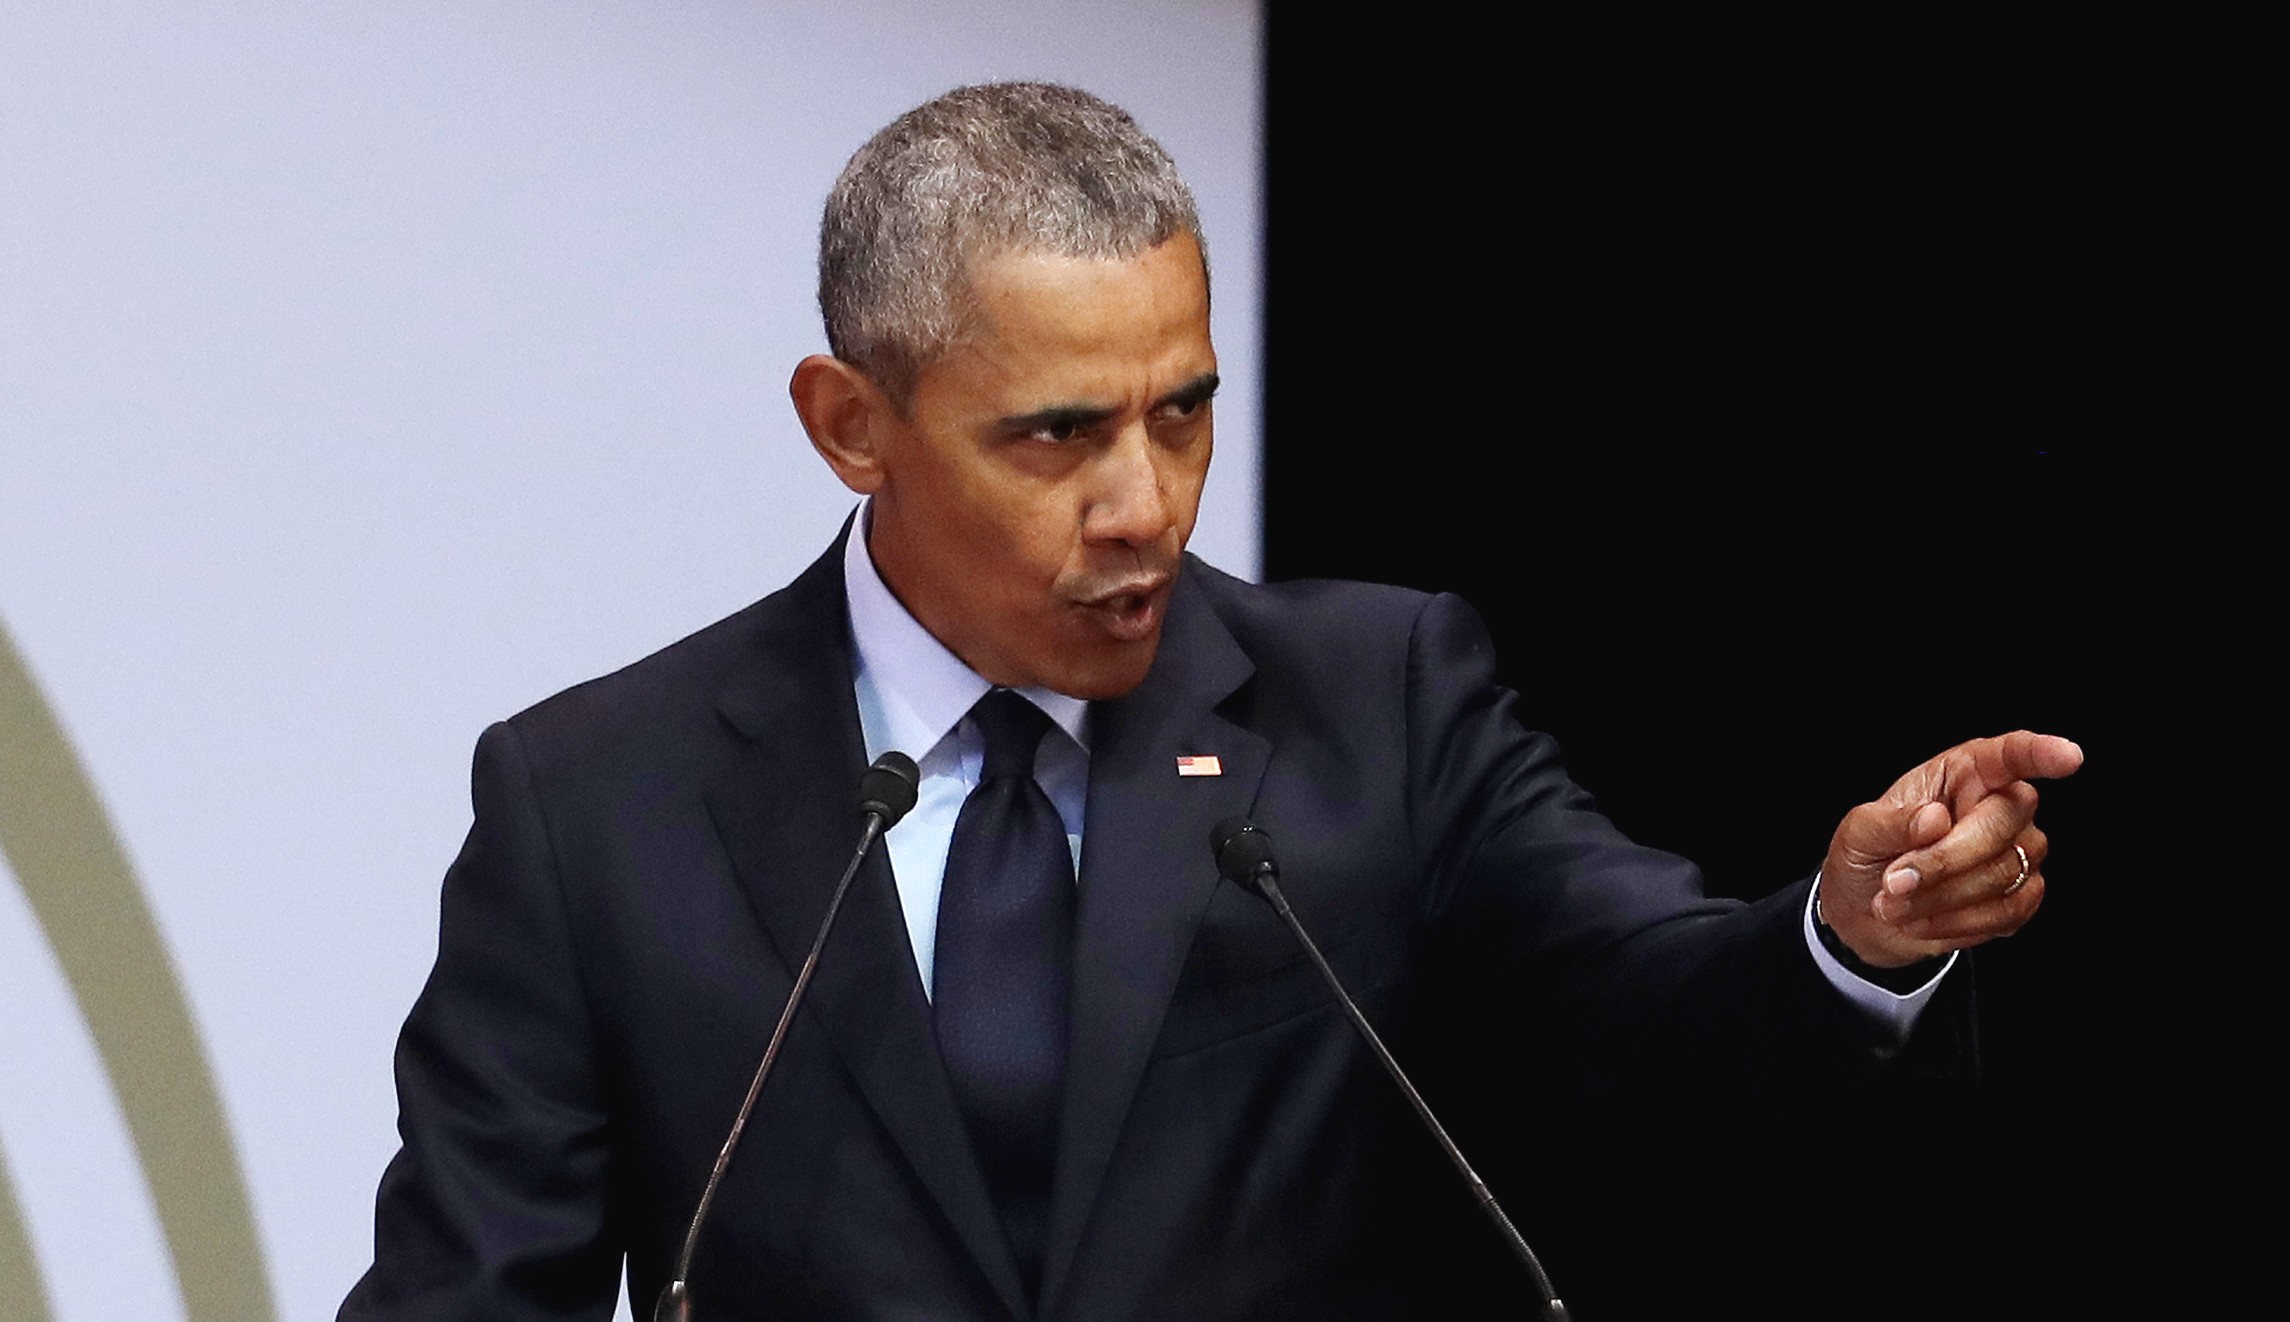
1872, 836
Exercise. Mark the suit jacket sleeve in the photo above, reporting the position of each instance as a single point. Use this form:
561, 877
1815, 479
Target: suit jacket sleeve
495, 1206
1616, 947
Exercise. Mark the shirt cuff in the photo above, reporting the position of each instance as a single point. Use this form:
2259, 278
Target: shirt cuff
1897, 1010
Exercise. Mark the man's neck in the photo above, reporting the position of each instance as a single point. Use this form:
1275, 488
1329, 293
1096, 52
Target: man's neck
918, 687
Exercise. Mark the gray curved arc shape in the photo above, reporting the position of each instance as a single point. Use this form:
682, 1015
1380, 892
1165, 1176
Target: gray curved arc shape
85, 898
19, 1270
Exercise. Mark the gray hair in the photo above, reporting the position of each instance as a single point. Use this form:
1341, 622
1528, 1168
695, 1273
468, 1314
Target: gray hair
981, 171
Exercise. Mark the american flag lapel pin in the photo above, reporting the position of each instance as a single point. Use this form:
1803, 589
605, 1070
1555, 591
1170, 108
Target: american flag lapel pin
1200, 766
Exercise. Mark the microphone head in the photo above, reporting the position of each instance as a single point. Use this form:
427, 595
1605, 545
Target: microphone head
1243, 852
887, 789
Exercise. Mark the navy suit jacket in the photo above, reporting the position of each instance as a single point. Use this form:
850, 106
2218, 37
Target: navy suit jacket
651, 856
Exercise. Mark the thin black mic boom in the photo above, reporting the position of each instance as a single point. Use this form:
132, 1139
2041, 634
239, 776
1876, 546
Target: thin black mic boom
887, 791
1244, 857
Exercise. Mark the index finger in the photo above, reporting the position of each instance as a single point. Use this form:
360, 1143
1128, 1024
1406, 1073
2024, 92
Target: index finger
1988, 765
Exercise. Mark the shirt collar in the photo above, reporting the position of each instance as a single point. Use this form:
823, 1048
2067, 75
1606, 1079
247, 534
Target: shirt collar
921, 689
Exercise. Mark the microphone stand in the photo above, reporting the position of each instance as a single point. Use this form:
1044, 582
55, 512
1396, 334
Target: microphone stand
886, 791
1244, 855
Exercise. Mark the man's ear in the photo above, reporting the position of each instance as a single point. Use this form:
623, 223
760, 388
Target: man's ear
850, 420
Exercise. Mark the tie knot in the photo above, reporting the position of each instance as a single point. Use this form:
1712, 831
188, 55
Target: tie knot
1012, 728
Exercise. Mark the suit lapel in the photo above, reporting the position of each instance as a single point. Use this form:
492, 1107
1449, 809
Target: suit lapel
1146, 880
786, 817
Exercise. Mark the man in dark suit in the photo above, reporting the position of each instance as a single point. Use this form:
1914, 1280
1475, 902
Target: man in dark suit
1119, 1092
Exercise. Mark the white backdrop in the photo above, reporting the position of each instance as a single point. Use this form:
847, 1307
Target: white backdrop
369, 371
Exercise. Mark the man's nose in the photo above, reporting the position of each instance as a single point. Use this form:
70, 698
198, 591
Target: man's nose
1131, 501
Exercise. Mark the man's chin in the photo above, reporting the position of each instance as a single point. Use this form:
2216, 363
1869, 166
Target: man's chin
1105, 670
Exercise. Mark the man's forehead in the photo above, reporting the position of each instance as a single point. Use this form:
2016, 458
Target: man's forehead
1004, 268
1042, 329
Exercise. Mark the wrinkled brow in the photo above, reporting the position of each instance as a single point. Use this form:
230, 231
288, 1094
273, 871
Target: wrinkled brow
1080, 416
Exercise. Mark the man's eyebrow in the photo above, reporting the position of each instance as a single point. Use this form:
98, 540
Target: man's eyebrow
1081, 417
1057, 417
1194, 392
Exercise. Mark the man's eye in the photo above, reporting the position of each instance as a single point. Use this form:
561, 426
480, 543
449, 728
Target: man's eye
1057, 431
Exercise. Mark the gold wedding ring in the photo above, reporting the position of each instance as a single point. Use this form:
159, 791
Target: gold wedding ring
2022, 879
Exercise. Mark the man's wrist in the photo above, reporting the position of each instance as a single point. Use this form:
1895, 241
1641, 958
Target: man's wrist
1900, 980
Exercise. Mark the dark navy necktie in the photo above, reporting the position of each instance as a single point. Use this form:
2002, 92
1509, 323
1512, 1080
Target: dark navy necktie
1003, 965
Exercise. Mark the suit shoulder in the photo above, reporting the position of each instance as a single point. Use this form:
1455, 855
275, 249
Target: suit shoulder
1323, 613
686, 665
1307, 602
670, 705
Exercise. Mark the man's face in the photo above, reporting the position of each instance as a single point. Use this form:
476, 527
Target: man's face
1033, 503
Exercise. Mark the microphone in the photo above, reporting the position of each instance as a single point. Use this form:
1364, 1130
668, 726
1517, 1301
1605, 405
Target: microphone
886, 792
1244, 857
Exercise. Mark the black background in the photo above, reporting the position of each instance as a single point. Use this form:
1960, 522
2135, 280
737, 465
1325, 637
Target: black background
1793, 406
